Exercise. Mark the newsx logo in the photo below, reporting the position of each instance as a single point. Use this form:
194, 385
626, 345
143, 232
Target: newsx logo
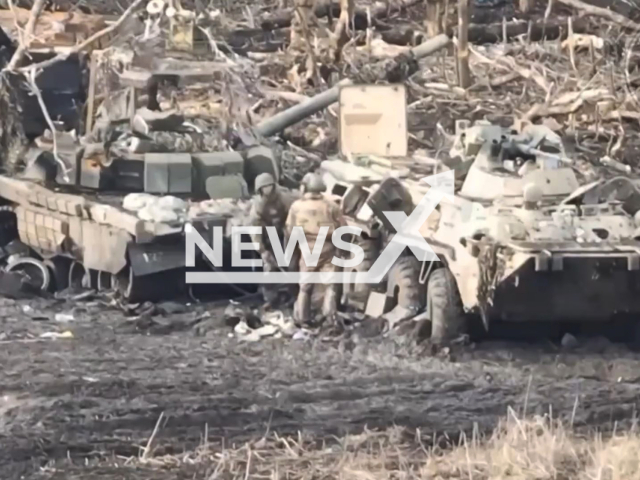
407, 235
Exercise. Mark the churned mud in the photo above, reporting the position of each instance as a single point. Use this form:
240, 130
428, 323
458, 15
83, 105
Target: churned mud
83, 407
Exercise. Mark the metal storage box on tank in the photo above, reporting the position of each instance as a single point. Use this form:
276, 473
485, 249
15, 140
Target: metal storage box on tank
373, 120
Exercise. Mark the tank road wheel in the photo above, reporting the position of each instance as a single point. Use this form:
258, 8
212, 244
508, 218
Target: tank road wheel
77, 273
122, 282
448, 319
59, 267
403, 283
37, 273
104, 281
360, 291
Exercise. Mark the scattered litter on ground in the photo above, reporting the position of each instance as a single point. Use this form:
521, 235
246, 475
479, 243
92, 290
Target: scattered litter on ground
56, 335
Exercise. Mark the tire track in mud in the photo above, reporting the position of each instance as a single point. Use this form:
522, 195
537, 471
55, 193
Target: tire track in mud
82, 400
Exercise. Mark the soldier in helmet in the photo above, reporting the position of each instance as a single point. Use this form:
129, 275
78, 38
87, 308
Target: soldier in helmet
305, 181
269, 209
312, 212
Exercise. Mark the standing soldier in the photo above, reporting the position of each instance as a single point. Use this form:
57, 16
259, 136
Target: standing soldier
312, 212
269, 209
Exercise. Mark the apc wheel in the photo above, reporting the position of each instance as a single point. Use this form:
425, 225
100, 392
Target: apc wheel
403, 283
448, 319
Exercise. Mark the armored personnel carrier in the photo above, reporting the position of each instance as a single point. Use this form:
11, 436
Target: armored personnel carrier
520, 239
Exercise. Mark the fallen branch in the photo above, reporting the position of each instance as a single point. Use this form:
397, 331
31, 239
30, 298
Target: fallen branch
288, 96
81, 46
510, 64
284, 18
504, 79
569, 104
626, 114
493, 33
601, 12
594, 95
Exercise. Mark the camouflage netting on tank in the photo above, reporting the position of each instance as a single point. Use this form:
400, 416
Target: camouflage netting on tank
295, 166
492, 266
12, 136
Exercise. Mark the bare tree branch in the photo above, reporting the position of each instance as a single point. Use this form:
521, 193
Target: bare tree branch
36, 91
602, 12
81, 46
25, 39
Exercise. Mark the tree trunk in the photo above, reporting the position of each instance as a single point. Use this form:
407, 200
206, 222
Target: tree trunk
492, 33
525, 6
343, 27
463, 44
303, 18
433, 22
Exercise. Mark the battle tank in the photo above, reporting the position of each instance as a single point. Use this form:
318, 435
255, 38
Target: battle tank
103, 202
520, 239
69, 218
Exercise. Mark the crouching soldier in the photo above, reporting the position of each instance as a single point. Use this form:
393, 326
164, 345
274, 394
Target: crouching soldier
312, 212
269, 209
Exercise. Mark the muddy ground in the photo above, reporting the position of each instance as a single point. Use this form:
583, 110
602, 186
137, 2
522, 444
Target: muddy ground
82, 406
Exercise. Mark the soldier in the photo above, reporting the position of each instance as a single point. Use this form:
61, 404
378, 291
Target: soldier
312, 212
269, 209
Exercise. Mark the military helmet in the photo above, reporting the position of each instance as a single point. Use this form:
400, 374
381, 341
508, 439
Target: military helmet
315, 184
305, 180
264, 180
304, 183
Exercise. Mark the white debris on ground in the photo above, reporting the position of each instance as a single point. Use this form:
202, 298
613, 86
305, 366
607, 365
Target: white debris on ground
56, 335
274, 325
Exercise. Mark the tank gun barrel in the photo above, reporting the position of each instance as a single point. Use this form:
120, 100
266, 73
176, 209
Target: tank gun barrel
313, 105
298, 112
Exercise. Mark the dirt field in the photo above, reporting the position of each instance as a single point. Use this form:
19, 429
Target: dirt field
85, 407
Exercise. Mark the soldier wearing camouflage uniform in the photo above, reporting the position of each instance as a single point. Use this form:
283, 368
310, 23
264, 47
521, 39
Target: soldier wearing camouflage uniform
312, 212
269, 209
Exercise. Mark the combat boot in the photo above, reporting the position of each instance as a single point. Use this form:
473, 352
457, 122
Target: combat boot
269, 295
302, 309
330, 303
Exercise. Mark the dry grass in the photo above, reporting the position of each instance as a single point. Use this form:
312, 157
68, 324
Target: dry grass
539, 449
536, 448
